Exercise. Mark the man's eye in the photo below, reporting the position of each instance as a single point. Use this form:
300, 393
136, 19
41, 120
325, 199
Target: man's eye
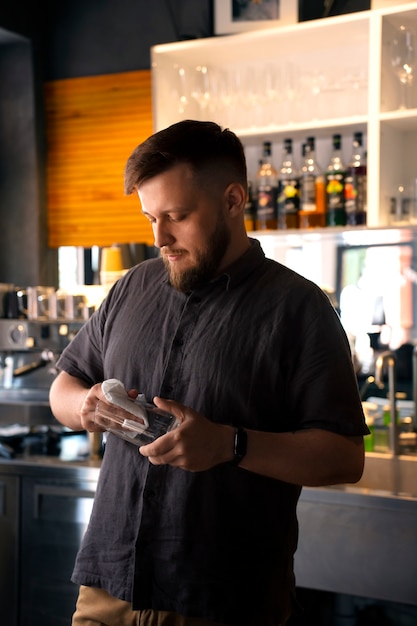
177, 218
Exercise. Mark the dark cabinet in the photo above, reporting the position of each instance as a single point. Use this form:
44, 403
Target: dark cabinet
9, 548
54, 518
44, 512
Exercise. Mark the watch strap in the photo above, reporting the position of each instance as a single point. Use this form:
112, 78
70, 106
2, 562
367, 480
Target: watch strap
240, 445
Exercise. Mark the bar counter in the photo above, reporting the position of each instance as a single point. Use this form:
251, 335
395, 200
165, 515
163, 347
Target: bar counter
353, 540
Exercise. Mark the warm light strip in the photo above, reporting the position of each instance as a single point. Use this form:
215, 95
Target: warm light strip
92, 126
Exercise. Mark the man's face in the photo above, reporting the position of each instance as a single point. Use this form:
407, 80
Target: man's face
188, 224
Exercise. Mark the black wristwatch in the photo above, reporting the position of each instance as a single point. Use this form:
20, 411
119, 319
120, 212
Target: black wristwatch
240, 445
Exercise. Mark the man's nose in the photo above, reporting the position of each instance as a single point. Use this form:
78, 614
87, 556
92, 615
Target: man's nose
162, 235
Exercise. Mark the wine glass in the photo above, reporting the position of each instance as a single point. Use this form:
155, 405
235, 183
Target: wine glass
200, 89
181, 89
403, 59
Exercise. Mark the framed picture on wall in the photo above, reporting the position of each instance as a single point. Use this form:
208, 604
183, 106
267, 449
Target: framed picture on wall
235, 16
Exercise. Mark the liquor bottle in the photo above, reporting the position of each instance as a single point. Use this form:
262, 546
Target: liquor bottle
355, 184
288, 201
312, 212
335, 186
266, 191
250, 210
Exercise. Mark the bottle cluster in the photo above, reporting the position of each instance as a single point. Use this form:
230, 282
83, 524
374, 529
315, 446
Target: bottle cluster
309, 197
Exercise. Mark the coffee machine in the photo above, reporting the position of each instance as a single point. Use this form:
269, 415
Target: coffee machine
29, 350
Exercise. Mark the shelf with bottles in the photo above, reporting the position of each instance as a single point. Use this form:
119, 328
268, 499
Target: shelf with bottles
298, 177
323, 143
321, 77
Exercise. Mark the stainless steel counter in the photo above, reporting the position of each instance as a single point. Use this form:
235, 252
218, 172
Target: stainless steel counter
358, 542
43, 466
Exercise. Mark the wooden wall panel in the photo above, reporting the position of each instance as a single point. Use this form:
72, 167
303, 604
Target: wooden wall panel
93, 124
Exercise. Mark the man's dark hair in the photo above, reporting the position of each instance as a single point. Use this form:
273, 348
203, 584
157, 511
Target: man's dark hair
204, 146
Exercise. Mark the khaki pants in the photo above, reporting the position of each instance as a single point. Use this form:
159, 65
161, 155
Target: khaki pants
95, 607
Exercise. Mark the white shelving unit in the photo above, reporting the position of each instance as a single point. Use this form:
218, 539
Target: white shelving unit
313, 78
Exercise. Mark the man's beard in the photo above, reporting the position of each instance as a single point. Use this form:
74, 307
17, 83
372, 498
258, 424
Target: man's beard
208, 261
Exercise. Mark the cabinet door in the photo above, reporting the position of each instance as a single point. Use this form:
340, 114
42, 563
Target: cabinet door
9, 548
54, 518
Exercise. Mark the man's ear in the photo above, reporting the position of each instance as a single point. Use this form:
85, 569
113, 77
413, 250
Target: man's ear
235, 195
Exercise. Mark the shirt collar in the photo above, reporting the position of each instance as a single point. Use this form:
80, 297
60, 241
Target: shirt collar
244, 265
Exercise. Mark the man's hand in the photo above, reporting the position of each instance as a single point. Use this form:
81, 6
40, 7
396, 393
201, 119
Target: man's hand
73, 402
197, 444
88, 407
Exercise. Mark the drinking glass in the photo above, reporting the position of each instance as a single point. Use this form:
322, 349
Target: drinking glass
200, 88
272, 88
403, 60
181, 90
140, 424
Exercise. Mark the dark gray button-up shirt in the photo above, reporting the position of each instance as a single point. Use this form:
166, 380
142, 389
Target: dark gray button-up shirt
258, 346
